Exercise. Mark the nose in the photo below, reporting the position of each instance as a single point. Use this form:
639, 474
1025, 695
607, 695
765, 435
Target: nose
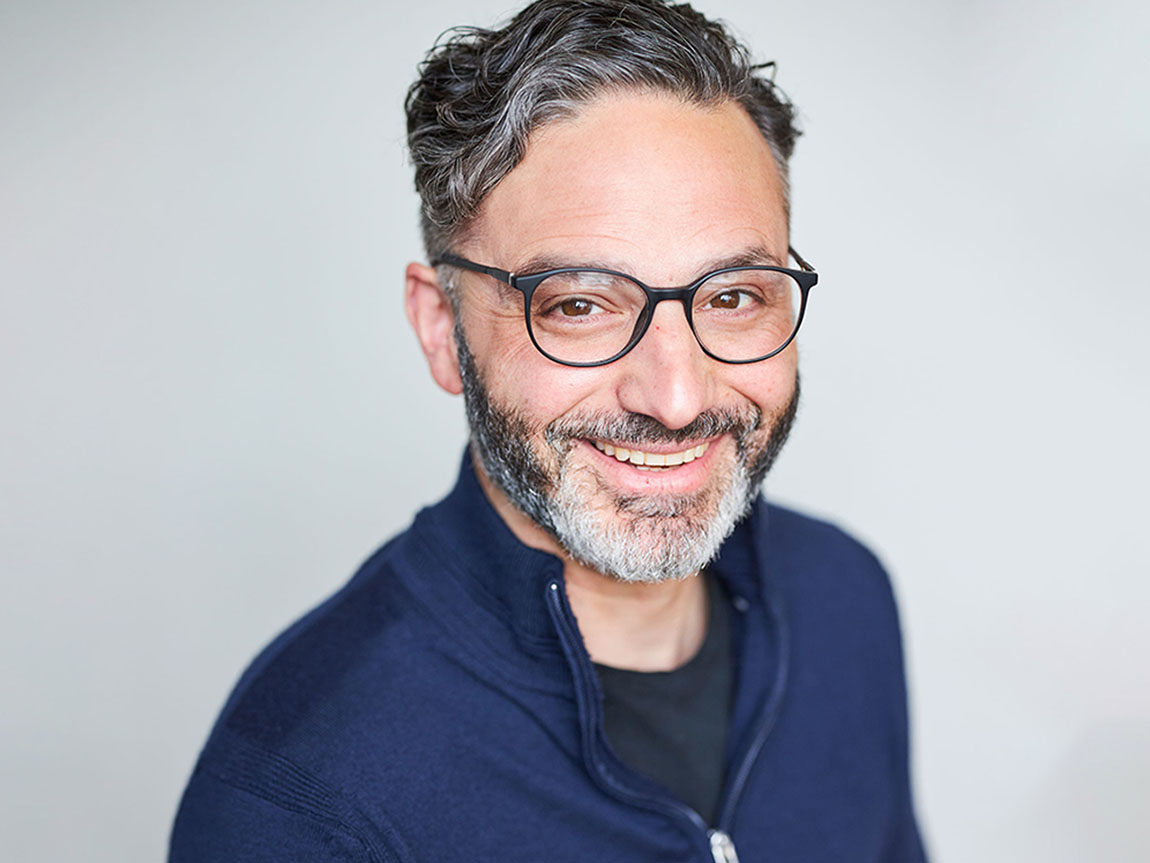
667, 376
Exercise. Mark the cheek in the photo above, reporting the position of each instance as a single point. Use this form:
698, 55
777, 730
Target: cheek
545, 391
520, 378
498, 339
770, 384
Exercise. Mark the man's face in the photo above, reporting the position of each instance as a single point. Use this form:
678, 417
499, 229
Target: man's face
666, 191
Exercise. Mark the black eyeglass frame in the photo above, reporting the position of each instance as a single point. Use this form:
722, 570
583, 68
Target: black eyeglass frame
806, 278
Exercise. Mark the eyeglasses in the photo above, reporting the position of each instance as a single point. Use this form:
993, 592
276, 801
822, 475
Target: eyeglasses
585, 316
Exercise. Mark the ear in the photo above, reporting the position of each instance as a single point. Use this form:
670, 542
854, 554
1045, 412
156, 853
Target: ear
429, 311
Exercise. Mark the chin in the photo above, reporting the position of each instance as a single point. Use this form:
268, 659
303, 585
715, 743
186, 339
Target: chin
648, 538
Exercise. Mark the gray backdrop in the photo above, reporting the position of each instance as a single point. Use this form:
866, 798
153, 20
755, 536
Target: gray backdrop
213, 408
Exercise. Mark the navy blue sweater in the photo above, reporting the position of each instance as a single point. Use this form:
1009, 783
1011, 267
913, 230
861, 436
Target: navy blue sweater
442, 707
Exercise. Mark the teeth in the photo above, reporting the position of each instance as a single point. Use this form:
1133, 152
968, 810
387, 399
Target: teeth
645, 460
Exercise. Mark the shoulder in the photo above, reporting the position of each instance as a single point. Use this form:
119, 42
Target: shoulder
322, 652
832, 583
347, 671
277, 771
816, 547
810, 538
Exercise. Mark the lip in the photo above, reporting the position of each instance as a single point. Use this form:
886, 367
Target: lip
682, 479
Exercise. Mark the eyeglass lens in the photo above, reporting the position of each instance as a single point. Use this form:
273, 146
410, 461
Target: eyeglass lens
587, 317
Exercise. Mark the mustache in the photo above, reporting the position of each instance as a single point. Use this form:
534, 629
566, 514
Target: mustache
634, 428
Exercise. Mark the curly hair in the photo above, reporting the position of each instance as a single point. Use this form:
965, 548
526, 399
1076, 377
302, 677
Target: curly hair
481, 93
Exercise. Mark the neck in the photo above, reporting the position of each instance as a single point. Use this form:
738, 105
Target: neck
640, 627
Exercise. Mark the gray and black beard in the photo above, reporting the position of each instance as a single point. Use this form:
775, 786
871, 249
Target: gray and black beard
652, 537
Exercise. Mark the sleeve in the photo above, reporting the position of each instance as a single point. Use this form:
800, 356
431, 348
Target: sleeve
904, 844
904, 841
252, 807
218, 822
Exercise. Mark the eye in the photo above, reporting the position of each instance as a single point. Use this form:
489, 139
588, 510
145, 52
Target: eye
729, 299
574, 307
585, 298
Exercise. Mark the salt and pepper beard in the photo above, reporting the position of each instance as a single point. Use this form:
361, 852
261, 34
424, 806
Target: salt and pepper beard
639, 537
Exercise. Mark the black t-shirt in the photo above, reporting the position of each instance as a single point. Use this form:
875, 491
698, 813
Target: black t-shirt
672, 725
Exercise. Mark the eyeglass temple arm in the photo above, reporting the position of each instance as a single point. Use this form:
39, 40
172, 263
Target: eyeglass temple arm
803, 265
464, 264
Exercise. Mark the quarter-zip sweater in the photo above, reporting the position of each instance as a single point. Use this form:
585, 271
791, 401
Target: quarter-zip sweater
442, 707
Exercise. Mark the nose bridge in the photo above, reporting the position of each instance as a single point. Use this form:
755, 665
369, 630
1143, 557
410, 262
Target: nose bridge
664, 298
667, 375
680, 297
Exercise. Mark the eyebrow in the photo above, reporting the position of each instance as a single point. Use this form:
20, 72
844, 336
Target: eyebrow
752, 256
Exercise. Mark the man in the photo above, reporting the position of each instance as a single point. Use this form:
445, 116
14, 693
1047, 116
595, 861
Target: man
603, 645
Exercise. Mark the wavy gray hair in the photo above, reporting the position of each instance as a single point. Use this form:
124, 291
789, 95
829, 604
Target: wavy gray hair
481, 93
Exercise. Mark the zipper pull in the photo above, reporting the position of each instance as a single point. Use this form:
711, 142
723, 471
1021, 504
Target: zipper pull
722, 848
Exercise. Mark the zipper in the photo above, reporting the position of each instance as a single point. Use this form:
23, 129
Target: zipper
769, 715
571, 639
721, 846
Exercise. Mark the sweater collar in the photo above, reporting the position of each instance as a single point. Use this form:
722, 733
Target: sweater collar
498, 571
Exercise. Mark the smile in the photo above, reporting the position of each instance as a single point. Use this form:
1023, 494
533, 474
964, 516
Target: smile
651, 460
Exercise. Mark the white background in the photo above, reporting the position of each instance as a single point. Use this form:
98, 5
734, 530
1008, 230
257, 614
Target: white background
213, 409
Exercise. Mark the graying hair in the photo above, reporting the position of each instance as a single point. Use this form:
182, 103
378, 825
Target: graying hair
481, 93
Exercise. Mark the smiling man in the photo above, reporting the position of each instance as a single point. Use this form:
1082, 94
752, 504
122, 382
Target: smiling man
603, 645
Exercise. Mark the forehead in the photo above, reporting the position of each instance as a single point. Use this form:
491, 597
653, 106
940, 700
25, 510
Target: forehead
638, 181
